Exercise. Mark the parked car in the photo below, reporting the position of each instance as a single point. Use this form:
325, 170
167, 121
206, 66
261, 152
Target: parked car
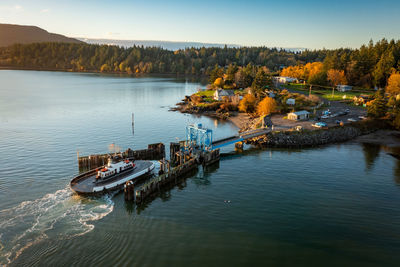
320, 124
351, 119
362, 117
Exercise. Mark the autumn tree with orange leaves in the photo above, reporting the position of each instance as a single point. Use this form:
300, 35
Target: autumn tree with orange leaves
393, 87
336, 77
311, 72
266, 106
247, 104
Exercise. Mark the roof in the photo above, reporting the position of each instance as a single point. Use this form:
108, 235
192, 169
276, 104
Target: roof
223, 92
303, 112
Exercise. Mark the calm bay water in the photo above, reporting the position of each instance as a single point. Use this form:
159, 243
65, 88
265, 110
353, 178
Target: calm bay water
331, 205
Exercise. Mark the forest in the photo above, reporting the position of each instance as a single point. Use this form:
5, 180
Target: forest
368, 66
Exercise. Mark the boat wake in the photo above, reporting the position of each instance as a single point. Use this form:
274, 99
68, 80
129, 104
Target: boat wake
60, 215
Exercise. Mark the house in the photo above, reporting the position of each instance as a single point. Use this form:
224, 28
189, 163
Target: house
220, 93
284, 79
344, 88
299, 115
291, 101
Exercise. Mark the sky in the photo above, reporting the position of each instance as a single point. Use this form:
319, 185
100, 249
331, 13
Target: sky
291, 23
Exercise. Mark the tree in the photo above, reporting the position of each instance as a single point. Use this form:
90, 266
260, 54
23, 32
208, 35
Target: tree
393, 87
216, 73
105, 68
383, 68
219, 82
247, 104
336, 77
266, 106
230, 75
377, 108
259, 82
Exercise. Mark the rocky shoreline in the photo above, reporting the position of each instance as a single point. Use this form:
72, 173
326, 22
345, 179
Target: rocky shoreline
296, 139
291, 138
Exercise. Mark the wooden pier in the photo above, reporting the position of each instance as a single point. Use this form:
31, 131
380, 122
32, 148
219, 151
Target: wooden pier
170, 176
185, 157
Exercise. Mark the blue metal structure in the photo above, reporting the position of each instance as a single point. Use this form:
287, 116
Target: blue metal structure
202, 138
199, 137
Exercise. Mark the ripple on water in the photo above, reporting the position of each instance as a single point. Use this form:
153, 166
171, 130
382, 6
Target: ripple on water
59, 215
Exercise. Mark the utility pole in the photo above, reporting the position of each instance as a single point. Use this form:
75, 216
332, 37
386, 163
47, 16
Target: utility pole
309, 93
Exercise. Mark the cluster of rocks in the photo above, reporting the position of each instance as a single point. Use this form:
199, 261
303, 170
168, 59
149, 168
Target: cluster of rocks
316, 137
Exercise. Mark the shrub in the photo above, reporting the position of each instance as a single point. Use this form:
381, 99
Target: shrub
266, 106
247, 104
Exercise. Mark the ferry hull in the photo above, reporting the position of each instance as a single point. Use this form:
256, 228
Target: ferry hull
85, 184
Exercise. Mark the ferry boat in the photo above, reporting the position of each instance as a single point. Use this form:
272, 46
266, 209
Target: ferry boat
110, 177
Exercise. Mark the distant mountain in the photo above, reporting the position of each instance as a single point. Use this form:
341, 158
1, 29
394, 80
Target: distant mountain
169, 45
148, 43
13, 34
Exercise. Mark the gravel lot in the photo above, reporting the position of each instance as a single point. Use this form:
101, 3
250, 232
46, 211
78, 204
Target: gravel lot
335, 107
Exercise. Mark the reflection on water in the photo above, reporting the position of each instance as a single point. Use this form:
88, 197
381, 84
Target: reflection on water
371, 153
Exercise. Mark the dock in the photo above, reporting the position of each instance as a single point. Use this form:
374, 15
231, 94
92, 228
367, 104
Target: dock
185, 157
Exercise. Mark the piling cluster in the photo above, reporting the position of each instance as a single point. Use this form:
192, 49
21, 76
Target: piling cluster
172, 177
172, 172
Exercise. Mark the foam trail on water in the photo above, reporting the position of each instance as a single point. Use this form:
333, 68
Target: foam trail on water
60, 215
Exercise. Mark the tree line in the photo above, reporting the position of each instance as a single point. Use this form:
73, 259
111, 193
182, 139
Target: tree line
139, 59
368, 66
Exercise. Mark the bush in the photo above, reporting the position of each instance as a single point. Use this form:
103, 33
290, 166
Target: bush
247, 104
266, 106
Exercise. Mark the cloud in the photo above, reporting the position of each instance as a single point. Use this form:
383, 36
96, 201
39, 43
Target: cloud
45, 10
17, 7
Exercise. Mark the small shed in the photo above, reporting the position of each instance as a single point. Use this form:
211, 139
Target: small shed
291, 101
299, 115
344, 88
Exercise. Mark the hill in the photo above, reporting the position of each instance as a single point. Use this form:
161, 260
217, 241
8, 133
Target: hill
19, 34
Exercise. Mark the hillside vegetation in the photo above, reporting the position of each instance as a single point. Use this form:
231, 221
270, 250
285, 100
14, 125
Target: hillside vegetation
19, 34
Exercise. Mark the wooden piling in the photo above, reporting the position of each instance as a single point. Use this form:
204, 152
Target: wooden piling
129, 191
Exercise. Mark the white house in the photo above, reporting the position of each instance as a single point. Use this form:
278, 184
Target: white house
299, 115
291, 101
284, 79
220, 93
344, 88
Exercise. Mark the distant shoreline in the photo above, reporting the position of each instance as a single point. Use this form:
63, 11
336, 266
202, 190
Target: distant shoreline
122, 74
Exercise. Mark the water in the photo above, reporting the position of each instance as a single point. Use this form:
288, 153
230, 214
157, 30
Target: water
331, 205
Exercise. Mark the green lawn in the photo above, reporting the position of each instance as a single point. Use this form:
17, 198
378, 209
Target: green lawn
206, 93
327, 93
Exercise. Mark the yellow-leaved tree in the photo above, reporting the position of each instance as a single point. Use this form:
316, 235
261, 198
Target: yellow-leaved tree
393, 86
247, 104
219, 82
336, 77
266, 106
